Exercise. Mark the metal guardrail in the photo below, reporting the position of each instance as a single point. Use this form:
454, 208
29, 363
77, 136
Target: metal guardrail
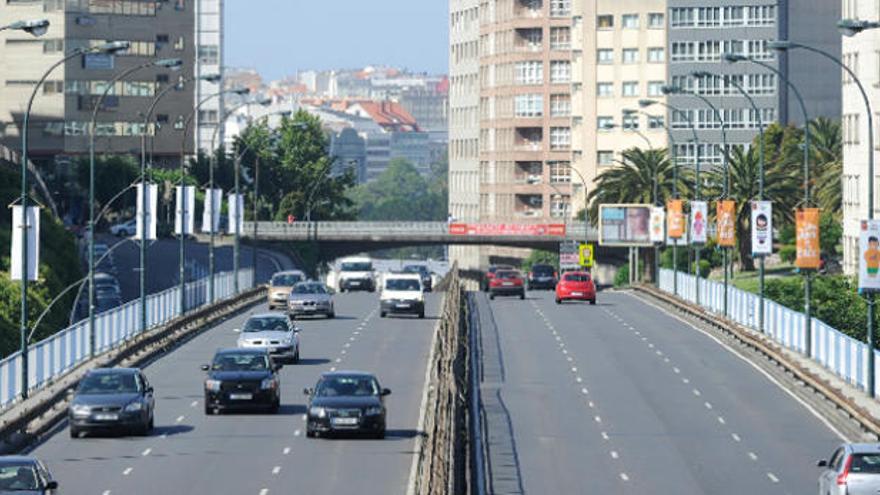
842, 355
62, 352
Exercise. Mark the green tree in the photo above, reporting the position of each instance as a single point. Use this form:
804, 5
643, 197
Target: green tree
826, 147
113, 174
632, 181
401, 193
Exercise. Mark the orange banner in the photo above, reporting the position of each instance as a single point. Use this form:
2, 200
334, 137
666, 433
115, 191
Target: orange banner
674, 219
807, 226
725, 218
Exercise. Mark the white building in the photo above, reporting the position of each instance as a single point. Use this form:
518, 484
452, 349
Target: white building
209, 60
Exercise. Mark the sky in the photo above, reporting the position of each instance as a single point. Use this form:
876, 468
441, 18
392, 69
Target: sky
280, 37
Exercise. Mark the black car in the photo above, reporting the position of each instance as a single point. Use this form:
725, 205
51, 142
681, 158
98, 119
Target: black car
542, 277
26, 476
422, 270
112, 399
241, 379
346, 402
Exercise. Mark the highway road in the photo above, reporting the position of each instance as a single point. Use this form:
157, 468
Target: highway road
190, 453
623, 398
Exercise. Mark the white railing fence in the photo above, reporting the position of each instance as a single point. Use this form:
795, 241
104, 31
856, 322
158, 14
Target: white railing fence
839, 353
58, 354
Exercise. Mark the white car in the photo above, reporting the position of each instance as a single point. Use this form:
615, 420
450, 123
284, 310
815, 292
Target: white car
273, 332
124, 229
356, 273
402, 293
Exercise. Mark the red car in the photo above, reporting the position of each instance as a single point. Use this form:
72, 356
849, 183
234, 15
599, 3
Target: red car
507, 283
576, 286
490, 274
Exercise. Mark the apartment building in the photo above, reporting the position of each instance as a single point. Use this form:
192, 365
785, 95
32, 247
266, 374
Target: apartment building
862, 54
700, 31
619, 58
209, 60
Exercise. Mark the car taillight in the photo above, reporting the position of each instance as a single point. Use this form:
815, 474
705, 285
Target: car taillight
531, 274
841, 478
555, 275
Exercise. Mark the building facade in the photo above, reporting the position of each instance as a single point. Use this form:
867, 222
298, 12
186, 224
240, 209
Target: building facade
209, 60
862, 54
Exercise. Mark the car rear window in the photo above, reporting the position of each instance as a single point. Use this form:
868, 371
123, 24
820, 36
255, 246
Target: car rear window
577, 277
543, 269
865, 464
507, 275
286, 280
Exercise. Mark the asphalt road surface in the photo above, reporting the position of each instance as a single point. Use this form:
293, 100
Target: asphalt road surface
191, 453
623, 398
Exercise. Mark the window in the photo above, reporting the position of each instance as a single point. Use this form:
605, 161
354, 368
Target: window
53, 46
605, 89
162, 78
605, 157
683, 51
604, 123
560, 38
630, 55
630, 121
631, 88
560, 172
559, 205
629, 21
655, 122
655, 88
605, 22
655, 21
529, 105
560, 138
605, 56
179, 44
560, 71
209, 54
656, 55
560, 105
115, 7
560, 8
531, 72
53, 87
162, 118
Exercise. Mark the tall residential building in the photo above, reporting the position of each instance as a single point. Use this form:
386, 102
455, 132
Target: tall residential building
209, 60
700, 31
619, 58
862, 54
59, 125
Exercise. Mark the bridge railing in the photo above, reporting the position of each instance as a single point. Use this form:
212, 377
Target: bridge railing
62, 352
839, 353
305, 229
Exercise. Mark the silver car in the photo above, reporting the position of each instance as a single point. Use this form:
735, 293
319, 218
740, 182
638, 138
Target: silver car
854, 469
273, 332
310, 298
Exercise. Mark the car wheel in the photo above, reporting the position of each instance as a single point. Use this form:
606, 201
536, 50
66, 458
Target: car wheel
491, 296
276, 406
382, 314
74, 432
296, 356
422, 315
310, 434
380, 435
558, 301
291, 316
152, 423
209, 411
522, 295
331, 315
592, 302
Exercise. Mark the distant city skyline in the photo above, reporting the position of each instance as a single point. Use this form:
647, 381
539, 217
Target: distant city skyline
283, 37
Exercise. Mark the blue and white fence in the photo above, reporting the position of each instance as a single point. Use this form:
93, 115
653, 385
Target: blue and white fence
839, 353
58, 354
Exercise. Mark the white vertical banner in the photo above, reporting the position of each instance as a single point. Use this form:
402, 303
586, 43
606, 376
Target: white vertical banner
211, 213
183, 215
658, 224
149, 214
236, 213
762, 228
699, 223
33, 243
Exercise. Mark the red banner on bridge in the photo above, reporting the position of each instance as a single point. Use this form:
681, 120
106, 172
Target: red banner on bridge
512, 229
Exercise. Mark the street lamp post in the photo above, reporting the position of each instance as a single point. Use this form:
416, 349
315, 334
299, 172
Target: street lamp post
851, 27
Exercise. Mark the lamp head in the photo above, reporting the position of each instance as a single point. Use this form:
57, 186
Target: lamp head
668, 89
241, 91
700, 74
113, 47
629, 111
645, 103
211, 78
608, 127
264, 102
169, 63
36, 27
780, 45
852, 27
733, 57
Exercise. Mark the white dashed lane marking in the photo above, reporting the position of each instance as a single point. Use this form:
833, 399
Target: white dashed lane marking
286, 451
773, 477
127, 471
276, 469
624, 477
735, 437
146, 452
180, 418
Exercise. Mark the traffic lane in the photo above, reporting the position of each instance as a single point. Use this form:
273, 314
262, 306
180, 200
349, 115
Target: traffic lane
396, 350
780, 427
187, 441
558, 447
644, 384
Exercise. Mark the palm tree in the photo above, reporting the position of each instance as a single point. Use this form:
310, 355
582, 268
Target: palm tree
632, 181
826, 153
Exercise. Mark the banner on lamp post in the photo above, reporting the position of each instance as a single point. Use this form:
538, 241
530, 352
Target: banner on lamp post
657, 222
236, 213
33, 243
869, 255
152, 191
725, 216
211, 213
699, 215
675, 219
184, 213
807, 228
762, 228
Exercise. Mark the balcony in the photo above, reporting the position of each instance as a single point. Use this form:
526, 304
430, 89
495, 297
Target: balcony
530, 173
529, 139
528, 9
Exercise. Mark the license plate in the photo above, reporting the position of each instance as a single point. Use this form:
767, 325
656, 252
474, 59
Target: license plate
308, 308
507, 284
344, 421
241, 396
355, 282
577, 293
106, 417
402, 305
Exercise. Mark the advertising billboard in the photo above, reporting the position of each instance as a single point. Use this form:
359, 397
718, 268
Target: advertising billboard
625, 225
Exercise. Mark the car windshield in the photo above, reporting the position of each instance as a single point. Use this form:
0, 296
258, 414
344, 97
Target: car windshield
347, 386
309, 289
240, 362
357, 266
286, 279
18, 477
577, 277
265, 324
402, 284
421, 270
109, 383
865, 463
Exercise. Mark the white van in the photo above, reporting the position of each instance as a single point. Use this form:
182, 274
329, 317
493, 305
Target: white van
402, 293
356, 273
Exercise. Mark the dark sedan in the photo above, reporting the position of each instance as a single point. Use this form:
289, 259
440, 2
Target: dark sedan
25, 476
346, 402
241, 379
112, 399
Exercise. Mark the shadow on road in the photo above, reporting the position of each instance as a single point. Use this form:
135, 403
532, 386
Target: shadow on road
171, 430
309, 362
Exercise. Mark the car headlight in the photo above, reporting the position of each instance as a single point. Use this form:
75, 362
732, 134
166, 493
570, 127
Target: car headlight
268, 384
318, 412
80, 410
134, 406
374, 411
212, 385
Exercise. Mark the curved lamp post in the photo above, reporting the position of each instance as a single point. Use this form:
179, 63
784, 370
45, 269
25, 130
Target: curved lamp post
109, 48
36, 27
